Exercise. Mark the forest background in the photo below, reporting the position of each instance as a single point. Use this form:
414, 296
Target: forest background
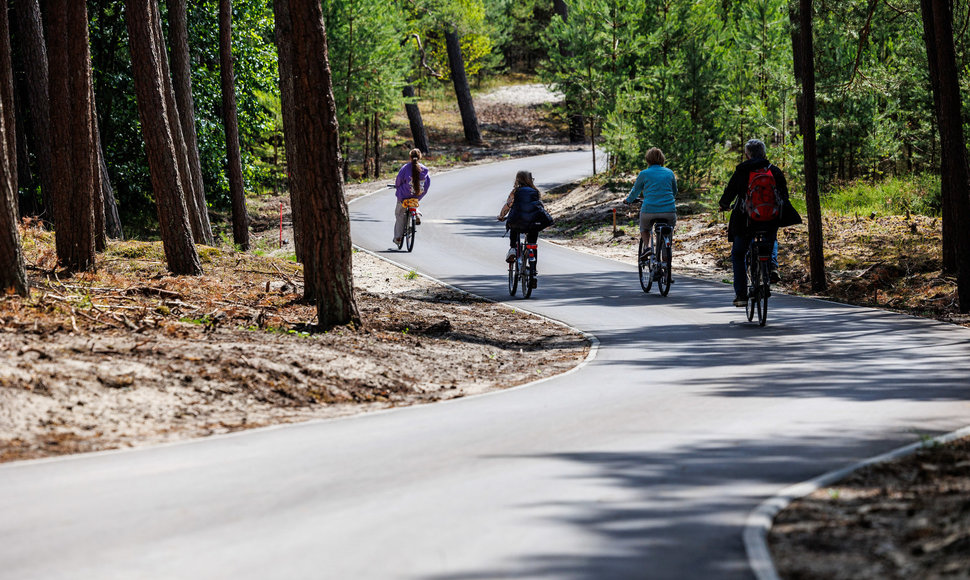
691, 77
696, 78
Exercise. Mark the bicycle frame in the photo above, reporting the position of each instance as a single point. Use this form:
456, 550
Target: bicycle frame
524, 267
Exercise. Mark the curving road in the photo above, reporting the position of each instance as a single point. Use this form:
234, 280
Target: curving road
643, 464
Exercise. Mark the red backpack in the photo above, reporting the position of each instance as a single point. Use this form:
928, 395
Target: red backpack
762, 202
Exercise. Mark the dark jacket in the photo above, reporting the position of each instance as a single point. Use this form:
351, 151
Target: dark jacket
527, 211
736, 190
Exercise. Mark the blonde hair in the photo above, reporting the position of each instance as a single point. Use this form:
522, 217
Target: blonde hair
524, 178
415, 154
655, 156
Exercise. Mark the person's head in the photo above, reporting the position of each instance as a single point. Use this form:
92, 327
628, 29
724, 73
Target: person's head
524, 178
755, 149
655, 156
415, 154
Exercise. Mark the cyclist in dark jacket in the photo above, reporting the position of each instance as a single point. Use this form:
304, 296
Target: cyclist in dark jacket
740, 229
523, 212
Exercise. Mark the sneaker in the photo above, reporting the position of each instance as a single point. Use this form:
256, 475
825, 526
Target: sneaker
417, 218
740, 302
533, 283
510, 256
774, 276
398, 242
646, 255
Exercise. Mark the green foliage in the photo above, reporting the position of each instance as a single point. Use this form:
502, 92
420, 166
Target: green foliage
918, 194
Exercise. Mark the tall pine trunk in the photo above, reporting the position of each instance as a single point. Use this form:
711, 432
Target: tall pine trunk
456, 63
802, 45
182, 84
316, 167
149, 67
13, 276
283, 33
73, 149
240, 220
33, 47
418, 134
954, 170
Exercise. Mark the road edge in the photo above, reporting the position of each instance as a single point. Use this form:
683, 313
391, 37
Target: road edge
759, 521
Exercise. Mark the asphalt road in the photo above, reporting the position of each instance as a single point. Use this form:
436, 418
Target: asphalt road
643, 464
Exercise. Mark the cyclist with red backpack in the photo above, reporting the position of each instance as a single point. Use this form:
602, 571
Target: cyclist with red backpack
757, 196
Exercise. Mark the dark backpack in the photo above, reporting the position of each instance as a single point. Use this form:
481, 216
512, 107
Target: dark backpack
762, 203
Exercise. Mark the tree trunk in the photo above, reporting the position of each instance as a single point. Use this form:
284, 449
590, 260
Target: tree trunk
955, 172
577, 124
316, 166
182, 84
25, 176
13, 276
802, 46
149, 67
283, 32
112, 219
418, 134
73, 155
98, 205
240, 220
456, 63
33, 47
200, 232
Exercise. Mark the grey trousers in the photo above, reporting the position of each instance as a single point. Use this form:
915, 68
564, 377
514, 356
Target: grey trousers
400, 220
646, 219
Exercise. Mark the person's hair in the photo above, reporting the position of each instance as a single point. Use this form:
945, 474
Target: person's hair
524, 178
415, 154
755, 149
655, 156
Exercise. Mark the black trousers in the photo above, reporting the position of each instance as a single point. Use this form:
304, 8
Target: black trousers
531, 236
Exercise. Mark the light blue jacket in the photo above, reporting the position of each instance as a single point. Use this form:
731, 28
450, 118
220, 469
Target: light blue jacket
658, 186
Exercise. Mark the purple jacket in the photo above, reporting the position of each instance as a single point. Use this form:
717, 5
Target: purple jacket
403, 182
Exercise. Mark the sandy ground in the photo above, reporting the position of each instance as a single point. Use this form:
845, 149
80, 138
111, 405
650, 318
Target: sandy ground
82, 380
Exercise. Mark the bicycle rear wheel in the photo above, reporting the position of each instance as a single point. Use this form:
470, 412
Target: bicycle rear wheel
409, 234
646, 276
763, 292
666, 274
528, 275
749, 307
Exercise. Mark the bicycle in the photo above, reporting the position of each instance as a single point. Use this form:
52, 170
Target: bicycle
411, 223
657, 264
523, 268
758, 266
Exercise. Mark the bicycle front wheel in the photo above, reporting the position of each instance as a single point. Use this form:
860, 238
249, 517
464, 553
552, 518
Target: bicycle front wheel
646, 276
666, 275
409, 234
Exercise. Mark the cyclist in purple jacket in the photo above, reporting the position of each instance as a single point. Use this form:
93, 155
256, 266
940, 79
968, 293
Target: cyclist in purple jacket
413, 180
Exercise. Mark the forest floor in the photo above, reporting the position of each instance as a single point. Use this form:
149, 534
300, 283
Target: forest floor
903, 519
129, 355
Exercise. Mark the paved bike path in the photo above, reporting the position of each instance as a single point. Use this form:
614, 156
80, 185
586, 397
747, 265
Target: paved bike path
643, 464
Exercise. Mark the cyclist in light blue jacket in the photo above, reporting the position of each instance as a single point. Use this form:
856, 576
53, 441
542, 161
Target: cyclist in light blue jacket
657, 186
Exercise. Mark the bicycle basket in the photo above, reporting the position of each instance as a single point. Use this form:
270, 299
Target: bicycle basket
410, 202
